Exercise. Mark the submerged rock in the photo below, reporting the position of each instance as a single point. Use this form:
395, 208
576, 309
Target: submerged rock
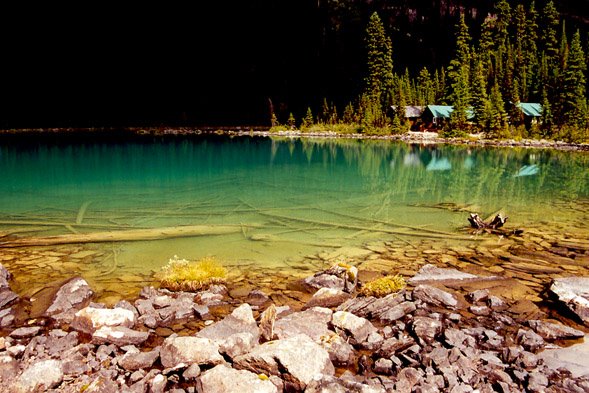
433, 273
574, 293
223, 379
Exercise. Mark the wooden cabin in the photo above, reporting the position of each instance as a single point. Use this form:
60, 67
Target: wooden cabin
531, 111
412, 113
434, 116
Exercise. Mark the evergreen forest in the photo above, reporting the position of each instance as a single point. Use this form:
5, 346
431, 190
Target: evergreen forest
519, 54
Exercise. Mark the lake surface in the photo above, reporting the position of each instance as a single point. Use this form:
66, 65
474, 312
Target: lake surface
287, 199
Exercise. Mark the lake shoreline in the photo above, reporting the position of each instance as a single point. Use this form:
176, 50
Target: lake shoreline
447, 330
411, 137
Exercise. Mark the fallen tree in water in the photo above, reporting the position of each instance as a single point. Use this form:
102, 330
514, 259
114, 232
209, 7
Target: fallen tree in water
125, 235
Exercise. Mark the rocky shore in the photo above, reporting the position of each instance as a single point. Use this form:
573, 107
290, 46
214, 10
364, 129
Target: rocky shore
447, 331
408, 137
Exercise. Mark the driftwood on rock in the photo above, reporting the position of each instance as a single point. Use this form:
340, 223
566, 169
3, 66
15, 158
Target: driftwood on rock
477, 223
124, 236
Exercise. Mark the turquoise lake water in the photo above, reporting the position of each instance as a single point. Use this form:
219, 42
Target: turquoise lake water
286, 198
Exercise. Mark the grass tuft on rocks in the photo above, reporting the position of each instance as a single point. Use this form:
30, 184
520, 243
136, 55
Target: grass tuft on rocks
383, 286
183, 275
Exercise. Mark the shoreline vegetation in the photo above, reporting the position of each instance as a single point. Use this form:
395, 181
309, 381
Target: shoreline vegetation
407, 137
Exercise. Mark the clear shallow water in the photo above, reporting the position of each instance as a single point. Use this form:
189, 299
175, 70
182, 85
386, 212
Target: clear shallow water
286, 198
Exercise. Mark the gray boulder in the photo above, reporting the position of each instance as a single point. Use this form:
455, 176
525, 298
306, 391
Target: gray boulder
5, 276
297, 360
118, 335
72, 296
40, 376
7, 297
397, 312
8, 369
189, 350
327, 297
323, 280
25, 332
236, 334
330, 384
341, 353
90, 319
132, 360
426, 329
371, 307
223, 379
313, 323
554, 331
435, 296
357, 328
574, 293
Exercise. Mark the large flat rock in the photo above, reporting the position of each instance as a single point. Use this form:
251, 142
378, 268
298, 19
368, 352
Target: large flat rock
574, 358
574, 293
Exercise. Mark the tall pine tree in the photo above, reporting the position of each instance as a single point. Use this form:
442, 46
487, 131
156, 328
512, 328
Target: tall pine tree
380, 61
459, 77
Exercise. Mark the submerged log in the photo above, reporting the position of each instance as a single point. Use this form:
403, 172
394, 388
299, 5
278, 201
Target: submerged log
125, 236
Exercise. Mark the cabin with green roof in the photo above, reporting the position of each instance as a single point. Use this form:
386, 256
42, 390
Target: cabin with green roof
531, 112
434, 116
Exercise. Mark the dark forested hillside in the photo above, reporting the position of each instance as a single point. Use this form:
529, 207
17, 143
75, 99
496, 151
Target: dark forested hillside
214, 63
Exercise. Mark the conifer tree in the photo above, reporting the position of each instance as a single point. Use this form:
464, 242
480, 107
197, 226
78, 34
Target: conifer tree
459, 77
550, 21
349, 116
498, 121
520, 67
425, 87
325, 114
380, 61
503, 13
308, 119
530, 91
480, 99
573, 91
291, 122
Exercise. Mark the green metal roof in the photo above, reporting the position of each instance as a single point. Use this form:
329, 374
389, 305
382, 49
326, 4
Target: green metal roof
531, 109
441, 110
444, 111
